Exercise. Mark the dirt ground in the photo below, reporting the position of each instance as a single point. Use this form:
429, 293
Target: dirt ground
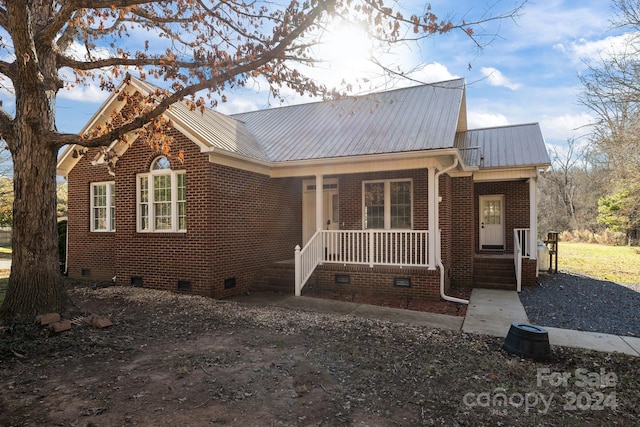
177, 360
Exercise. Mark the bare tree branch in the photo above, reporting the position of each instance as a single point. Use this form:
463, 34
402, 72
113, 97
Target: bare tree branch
6, 126
58, 140
3, 18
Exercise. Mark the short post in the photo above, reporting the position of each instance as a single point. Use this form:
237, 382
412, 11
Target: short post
552, 244
298, 266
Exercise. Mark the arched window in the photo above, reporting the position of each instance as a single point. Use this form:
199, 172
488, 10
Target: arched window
162, 198
161, 163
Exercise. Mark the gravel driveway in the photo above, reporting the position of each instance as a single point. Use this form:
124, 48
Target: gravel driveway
571, 301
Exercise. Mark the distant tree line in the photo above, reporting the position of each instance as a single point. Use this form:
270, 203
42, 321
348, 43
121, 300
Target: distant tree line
595, 184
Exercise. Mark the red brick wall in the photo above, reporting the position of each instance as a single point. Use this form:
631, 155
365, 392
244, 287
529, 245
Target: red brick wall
446, 207
92, 251
350, 187
529, 270
516, 202
462, 218
376, 281
233, 230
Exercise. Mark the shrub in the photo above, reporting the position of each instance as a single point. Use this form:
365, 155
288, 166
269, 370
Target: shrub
607, 237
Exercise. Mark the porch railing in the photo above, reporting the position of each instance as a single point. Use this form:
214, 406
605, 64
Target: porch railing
403, 248
521, 248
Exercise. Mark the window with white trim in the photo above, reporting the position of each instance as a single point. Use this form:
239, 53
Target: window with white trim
162, 199
103, 206
387, 204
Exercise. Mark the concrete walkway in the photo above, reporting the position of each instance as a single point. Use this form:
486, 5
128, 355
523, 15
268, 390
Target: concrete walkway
490, 312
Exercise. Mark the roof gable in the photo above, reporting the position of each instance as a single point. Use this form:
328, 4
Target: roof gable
208, 129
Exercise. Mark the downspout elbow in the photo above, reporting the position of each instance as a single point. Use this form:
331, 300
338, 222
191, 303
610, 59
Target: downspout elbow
442, 294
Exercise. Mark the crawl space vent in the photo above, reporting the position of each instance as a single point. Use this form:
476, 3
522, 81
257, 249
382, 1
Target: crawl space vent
230, 283
343, 279
402, 282
184, 285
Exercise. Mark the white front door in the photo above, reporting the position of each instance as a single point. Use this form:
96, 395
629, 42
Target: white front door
492, 222
330, 207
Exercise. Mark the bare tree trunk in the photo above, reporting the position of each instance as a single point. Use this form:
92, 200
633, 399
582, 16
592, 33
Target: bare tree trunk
35, 284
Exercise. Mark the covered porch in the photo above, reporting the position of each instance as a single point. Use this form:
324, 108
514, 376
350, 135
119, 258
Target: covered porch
334, 241
407, 251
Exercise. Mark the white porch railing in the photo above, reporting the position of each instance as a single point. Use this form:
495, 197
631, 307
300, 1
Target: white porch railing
521, 248
403, 248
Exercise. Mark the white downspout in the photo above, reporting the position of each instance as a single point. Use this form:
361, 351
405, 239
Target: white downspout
66, 249
533, 219
437, 231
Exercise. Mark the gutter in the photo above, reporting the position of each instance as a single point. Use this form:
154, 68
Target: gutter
439, 244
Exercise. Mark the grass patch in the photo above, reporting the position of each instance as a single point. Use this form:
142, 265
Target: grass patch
5, 252
620, 264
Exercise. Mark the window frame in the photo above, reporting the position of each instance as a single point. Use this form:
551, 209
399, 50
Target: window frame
110, 204
177, 205
386, 203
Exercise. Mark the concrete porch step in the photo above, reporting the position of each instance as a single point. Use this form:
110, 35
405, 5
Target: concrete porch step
494, 272
278, 277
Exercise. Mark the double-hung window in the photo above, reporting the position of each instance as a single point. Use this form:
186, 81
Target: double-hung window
162, 199
103, 206
387, 204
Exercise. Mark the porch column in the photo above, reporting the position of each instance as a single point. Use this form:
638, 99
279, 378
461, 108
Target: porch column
433, 226
533, 218
319, 207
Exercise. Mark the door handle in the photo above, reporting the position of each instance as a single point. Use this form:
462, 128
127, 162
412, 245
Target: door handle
482, 225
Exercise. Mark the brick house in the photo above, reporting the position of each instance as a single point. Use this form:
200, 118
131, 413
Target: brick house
383, 193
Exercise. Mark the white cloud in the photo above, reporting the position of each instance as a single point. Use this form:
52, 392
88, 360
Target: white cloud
237, 104
545, 23
565, 126
496, 78
80, 52
84, 93
479, 120
431, 73
583, 50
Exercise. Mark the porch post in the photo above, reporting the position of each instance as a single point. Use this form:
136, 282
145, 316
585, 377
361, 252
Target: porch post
433, 226
533, 218
319, 207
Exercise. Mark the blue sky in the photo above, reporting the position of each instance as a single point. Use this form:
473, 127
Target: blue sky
529, 73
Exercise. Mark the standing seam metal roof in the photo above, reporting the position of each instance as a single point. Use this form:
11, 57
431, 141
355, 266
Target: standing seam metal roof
415, 118
410, 119
215, 129
501, 147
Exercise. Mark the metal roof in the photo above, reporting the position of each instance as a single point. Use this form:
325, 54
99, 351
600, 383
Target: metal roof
415, 118
425, 117
212, 128
501, 147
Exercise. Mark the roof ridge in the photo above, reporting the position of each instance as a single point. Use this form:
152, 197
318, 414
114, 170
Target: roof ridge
502, 126
353, 97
